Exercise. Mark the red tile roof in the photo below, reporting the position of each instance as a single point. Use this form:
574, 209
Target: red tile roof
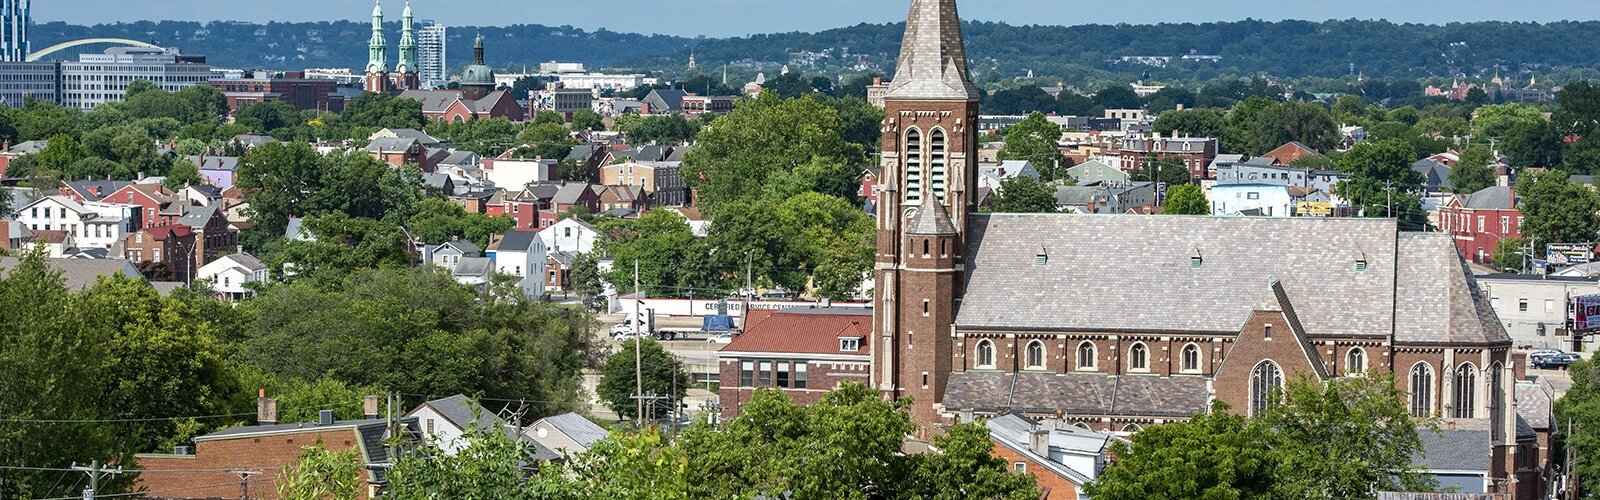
810, 332
1290, 152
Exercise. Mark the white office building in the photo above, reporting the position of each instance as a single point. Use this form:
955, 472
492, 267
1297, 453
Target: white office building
431, 67
96, 79
21, 80
90, 224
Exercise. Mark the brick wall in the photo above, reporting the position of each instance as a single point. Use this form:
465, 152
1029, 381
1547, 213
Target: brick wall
269, 453
1052, 486
821, 377
1232, 383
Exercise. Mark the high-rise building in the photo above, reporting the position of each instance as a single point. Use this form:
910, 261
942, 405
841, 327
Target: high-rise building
14, 21
431, 55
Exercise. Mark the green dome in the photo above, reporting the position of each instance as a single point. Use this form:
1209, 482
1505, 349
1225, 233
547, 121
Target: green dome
477, 74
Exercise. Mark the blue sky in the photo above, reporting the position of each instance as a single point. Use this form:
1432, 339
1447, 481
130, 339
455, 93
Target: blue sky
740, 17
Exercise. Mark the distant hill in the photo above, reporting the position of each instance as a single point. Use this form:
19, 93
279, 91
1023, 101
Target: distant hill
1000, 52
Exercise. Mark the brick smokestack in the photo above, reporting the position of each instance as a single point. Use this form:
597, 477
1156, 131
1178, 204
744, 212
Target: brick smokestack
266, 408
370, 404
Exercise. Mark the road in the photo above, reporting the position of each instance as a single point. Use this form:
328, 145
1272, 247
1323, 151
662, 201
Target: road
698, 357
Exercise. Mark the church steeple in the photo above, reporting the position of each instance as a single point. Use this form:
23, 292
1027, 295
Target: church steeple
406, 70
378, 54
933, 58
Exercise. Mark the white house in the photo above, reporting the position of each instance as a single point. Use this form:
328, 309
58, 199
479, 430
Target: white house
514, 174
449, 254
567, 434
473, 271
521, 254
569, 235
91, 224
1267, 200
230, 274
446, 421
990, 177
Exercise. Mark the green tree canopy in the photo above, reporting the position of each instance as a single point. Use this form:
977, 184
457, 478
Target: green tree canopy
1186, 199
768, 144
1023, 194
1381, 180
1556, 210
1472, 173
1037, 141
1203, 122
662, 375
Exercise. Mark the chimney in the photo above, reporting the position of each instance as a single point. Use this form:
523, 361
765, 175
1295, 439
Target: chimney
1039, 441
266, 408
877, 80
324, 417
370, 405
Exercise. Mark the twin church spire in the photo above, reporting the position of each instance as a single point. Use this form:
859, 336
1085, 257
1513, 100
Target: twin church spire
404, 77
933, 57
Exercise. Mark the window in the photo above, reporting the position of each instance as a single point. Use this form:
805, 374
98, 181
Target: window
764, 374
799, 374
1131, 428
1265, 383
1035, 355
985, 355
1191, 358
1505, 225
1421, 390
1086, 355
1253, 196
1549, 305
1494, 303
747, 374
1496, 400
1139, 358
1355, 361
783, 374
1480, 223
225, 281
1021, 467
849, 345
1522, 305
1466, 390
1268, 331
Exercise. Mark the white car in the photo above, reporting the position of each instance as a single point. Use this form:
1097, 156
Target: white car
720, 338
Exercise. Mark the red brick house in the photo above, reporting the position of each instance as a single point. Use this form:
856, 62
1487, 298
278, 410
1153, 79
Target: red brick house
1481, 220
399, 152
1196, 153
204, 472
869, 185
802, 352
292, 88
451, 106
163, 253
158, 205
214, 234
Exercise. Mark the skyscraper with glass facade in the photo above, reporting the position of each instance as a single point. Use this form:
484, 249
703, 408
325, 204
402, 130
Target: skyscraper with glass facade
14, 21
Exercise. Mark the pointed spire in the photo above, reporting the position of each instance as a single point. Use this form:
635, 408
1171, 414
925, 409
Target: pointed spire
931, 219
378, 47
408, 43
933, 58
477, 49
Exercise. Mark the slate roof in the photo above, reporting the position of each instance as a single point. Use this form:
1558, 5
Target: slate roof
1075, 195
1534, 402
775, 331
81, 274
94, 190
933, 60
245, 261
390, 145
463, 247
474, 266
408, 133
433, 101
1492, 197
570, 193
1454, 450
1077, 393
931, 219
671, 98
219, 163
28, 147
517, 241
1089, 283
460, 158
458, 409
197, 217
1436, 175
580, 429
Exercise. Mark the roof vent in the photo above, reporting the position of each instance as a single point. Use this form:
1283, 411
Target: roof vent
324, 417
1042, 258
1195, 259
1361, 263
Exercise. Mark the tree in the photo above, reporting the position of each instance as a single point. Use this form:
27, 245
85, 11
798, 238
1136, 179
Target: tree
1532, 144
376, 110
343, 244
182, 174
1179, 460
1508, 255
278, 179
539, 133
1555, 210
1293, 121
1117, 97
1472, 173
967, 468
774, 148
1581, 406
1204, 122
1169, 170
584, 277
60, 154
322, 474
1023, 194
1381, 180
439, 220
269, 116
1348, 437
662, 129
490, 466
587, 119
662, 373
668, 254
1186, 199
1037, 141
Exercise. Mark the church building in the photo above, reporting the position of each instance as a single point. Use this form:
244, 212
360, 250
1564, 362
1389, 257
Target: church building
404, 77
1117, 323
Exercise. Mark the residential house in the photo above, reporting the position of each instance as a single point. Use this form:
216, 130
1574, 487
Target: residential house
1076, 199
55, 244
21, 149
478, 200
991, 177
473, 271
158, 205
428, 141
13, 235
207, 470
590, 156
92, 224
201, 194
569, 196
570, 235
1536, 408
1481, 220
1262, 200
232, 274
869, 186
660, 180
526, 206
555, 269
800, 352
400, 152
1196, 153
445, 423
1062, 459
1098, 173
511, 172
1265, 170
91, 190
219, 171
623, 197
80, 274
450, 106
698, 222
214, 234
449, 254
521, 254
1121, 199
1435, 175
1291, 152
1458, 459
1534, 308
567, 435
165, 253
663, 102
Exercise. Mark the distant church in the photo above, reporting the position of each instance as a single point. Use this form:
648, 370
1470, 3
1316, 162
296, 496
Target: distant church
404, 77
477, 98
1117, 323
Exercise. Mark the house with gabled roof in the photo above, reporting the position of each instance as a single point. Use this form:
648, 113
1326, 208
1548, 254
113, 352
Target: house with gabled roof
567, 435
232, 274
802, 352
451, 106
1290, 152
445, 423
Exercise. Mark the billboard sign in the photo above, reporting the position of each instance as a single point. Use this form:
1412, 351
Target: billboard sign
1586, 314
1569, 254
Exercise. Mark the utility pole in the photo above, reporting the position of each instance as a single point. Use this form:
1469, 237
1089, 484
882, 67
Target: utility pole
244, 481
1388, 204
94, 470
638, 374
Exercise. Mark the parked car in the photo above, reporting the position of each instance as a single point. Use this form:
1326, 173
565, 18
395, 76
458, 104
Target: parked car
1552, 358
720, 338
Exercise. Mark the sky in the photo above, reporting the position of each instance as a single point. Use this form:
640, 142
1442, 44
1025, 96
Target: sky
720, 18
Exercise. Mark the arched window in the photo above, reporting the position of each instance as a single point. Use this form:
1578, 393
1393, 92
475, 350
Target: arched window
1086, 355
1496, 400
1466, 390
1035, 355
1138, 358
1265, 382
1191, 358
1081, 425
985, 354
1355, 361
924, 248
937, 174
913, 155
1421, 390
1131, 428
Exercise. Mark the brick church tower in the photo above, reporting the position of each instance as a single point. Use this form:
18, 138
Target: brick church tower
929, 165
377, 79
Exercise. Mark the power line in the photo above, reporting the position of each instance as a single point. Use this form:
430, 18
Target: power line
138, 493
117, 420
